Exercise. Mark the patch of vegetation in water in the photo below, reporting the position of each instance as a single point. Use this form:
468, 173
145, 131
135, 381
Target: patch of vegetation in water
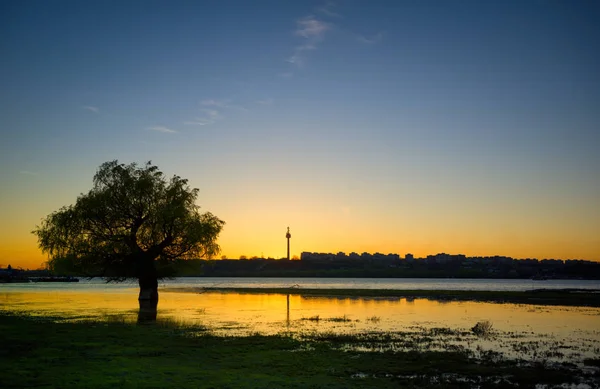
483, 328
336, 319
39, 352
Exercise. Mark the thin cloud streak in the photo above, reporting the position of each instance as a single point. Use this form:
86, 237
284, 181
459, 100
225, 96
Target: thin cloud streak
313, 31
92, 108
375, 39
210, 116
28, 173
162, 129
296, 60
211, 113
199, 122
265, 102
311, 28
215, 103
222, 104
327, 10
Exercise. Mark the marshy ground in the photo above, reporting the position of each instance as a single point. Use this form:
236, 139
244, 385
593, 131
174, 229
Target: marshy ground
51, 352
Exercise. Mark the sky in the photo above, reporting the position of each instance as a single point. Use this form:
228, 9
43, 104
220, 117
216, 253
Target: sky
405, 126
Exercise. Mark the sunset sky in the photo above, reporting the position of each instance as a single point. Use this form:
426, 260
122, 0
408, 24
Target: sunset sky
410, 126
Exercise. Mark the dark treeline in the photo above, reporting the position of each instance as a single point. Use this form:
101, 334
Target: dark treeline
330, 266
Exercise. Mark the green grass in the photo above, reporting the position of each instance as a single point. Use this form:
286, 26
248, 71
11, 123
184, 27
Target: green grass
43, 353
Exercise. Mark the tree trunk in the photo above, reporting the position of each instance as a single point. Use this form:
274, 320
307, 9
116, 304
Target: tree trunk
148, 297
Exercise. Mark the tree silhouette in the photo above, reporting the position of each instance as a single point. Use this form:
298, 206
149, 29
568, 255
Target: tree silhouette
131, 220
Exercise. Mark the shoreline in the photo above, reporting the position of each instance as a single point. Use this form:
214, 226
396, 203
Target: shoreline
567, 297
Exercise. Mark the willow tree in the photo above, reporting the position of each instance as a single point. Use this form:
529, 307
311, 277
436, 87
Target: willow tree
131, 219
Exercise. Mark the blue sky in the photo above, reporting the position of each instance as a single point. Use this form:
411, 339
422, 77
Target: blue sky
394, 126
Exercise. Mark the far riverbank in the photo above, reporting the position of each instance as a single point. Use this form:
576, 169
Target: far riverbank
566, 297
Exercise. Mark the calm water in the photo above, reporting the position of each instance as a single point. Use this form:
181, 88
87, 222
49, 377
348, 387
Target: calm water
326, 283
387, 283
521, 331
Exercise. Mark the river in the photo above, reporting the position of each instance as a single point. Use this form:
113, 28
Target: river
324, 283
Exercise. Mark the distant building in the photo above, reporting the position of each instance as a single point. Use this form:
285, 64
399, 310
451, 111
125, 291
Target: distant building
328, 257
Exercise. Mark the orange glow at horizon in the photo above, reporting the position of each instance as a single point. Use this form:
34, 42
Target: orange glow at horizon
269, 242
328, 225
25, 254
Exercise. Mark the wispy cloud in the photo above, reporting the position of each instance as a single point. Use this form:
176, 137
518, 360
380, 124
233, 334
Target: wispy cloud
91, 108
28, 173
312, 31
311, 28
328, 10
224, 104
199, 122
265, 102
371, 40
209, 115
162, 129
215, 103
296, 59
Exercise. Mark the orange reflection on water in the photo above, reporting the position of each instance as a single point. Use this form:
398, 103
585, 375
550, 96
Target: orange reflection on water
70, 303
566, 333
269, 313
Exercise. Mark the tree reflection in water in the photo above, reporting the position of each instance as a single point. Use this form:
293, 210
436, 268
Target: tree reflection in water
148, 311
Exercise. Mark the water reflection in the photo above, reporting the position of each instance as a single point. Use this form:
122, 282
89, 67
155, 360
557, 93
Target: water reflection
325, 283
148, 311
287, 320
266, 313
565, 331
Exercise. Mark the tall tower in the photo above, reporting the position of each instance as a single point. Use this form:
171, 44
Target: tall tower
288, 236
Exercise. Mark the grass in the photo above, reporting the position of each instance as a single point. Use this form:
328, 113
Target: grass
340, 319
482, 328
40, 352
567, 297
337, 319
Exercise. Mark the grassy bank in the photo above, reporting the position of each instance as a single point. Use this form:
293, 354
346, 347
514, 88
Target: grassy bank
567, 297
44, 353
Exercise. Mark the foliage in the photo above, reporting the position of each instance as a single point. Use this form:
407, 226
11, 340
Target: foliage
133, 215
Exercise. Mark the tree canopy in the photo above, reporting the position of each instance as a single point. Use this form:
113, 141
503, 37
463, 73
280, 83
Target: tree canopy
131, 217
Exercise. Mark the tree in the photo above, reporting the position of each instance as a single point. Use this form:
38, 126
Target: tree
131, 223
